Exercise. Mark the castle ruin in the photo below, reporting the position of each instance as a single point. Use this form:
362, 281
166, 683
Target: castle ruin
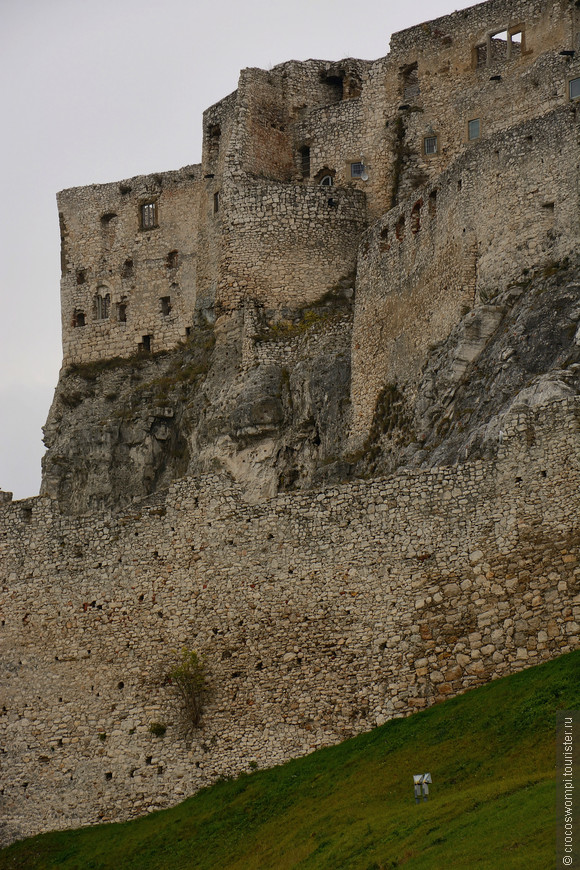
429, 184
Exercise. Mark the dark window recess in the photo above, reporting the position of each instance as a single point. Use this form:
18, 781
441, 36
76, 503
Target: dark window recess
101, 304
148, 215
400, 228
172, 260
410, 77
213, 139
145, 344
335, 84
216, 202
166, 305
127, 270
305, 161
326, 181
122, 312
416, 217
79, 318
433, 203
384, 245
81, 276
107, 218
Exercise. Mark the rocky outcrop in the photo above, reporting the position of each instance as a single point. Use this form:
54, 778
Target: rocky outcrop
265, 396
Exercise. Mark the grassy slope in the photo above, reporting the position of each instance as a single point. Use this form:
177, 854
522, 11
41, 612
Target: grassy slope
491, 754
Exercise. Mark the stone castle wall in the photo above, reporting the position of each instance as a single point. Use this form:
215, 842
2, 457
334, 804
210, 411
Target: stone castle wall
509, 204
321, 614
107, 253
252, 222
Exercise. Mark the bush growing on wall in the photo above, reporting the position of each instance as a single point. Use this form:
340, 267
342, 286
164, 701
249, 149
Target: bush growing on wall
189, 678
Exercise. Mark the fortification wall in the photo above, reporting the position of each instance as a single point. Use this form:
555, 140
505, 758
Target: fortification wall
117, 269
507, 205
286, 245
321, 615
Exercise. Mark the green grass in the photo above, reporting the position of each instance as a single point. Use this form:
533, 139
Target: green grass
491, 754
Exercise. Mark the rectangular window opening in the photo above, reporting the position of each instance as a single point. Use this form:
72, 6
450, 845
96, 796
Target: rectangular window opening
430, 144
357, 170
499, 46
574, 89
474, 129
148, 215
145, 344
166, 305
216, 202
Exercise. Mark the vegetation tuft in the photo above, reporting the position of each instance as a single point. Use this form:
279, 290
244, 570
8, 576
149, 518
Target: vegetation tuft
490, 753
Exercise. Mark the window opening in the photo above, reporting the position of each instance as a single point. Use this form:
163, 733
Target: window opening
122, 312
145, 344
78, 318
384, 245
326, 181
305, 161
101, 306
107, 218
516, 40
81, 276
499, 46
172, 259
410, 76
166, 305
357, 170
127, 270
430, 144
335, 85
474, 129
433, 203
216, 202
214, 132
400, 228
574, 89
416, 217
148, 215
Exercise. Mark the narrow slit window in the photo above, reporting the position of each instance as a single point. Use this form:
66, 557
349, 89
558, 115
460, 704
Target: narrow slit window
122, 312
430, 145
474, 129
416, 217
400, 228
166, 305
305, 161
216, 202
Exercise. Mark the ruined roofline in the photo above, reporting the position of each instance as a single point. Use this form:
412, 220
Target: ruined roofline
193, 169
487, 8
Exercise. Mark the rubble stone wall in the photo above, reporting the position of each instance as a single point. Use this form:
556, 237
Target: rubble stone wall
321, 614
484, 224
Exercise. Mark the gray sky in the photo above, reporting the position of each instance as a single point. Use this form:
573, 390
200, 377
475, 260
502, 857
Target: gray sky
100, 91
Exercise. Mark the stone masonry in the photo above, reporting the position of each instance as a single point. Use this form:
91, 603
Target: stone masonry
430, 178
321, 615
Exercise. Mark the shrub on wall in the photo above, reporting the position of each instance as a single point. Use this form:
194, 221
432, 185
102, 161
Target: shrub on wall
188, 676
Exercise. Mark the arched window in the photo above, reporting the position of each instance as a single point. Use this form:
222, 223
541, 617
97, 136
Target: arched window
326, 181
78, 318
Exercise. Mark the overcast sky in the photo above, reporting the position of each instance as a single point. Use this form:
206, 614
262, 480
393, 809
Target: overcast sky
101, 90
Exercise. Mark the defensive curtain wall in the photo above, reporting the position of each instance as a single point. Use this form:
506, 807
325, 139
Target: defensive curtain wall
321, 614
506, 207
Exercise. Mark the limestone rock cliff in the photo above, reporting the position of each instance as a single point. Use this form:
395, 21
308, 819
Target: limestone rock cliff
264, 395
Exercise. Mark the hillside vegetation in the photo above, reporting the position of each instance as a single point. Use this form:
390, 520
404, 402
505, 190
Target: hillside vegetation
491, 754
